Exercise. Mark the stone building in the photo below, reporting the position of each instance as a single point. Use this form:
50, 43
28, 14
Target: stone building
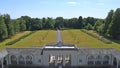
60, 55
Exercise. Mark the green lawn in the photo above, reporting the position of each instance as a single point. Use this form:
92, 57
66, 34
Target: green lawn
39, 38
81, 39
42, 37
2, 44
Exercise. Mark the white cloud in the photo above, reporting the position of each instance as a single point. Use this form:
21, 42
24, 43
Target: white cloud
72, 3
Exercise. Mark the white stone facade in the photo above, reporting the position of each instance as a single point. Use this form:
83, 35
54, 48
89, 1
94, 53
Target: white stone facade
60, 56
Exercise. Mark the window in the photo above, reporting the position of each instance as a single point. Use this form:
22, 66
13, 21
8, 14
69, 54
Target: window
80, 60
28, 60
98, 60
67, 59
39, 60
13, 59
51, 59
91, 60
21, 60
60, 58
106, 60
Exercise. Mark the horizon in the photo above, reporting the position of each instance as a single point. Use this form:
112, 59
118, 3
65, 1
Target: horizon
65, 8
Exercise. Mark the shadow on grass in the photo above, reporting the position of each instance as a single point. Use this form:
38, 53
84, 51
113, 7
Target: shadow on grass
114, 40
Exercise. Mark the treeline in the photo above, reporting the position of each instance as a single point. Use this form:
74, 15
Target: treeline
108, 27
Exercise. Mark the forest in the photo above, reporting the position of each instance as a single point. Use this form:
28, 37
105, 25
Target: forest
108, 27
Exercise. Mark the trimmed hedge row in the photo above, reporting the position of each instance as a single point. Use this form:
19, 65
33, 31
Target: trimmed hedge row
16, 40
102, 39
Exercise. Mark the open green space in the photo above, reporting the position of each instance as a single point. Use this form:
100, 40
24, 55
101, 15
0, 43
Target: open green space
82, 39
42, 37
2, 44
39, 38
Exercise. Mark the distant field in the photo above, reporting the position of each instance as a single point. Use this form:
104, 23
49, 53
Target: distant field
81, 39
39, 38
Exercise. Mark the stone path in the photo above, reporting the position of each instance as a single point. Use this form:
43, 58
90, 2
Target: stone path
59, 36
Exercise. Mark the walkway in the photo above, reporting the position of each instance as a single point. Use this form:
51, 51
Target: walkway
59, 36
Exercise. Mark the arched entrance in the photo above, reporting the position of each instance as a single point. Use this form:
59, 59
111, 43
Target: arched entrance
90, 60
115, 62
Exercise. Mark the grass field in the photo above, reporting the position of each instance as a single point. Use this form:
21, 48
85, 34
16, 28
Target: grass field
2, 44
81, 39
39, 38
42, 37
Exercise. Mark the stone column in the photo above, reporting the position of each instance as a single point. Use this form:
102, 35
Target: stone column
17, 59
101, 59
56, 58
117, 64
63, 60
7, 60
94, 60
86, 60
25, 59
2, 63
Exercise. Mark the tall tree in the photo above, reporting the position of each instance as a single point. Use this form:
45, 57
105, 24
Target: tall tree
3, 29
73, 23
51, 22
99, 26
36, 24
59, 22
107, 22
115, 25
9, 25
28, 21
90, 20
22, 25
79, 24
17, 26
44, 22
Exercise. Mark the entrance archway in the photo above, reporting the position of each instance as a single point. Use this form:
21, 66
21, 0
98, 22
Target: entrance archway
115, 62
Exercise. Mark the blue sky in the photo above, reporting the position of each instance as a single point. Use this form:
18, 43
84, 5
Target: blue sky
55, 8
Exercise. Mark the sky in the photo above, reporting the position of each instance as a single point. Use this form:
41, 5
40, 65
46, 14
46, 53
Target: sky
55, 8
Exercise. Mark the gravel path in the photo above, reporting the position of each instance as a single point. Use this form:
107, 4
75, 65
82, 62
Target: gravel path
59, 36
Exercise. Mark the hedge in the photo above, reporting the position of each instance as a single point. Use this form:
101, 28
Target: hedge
16, 40
102, 39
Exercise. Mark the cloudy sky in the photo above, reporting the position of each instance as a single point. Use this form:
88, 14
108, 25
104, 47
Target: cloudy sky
55, 8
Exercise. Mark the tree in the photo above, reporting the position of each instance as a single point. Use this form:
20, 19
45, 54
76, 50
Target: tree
79, 23
59, 22
44, 22
115, 25
72, 22
36, 24
9, 25
50, 23
3, 29
107, 22
99, 26
17, 26
28, 21
89, 27
90, 20
22, 25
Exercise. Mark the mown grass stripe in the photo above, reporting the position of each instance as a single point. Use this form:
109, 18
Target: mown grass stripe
16, 40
